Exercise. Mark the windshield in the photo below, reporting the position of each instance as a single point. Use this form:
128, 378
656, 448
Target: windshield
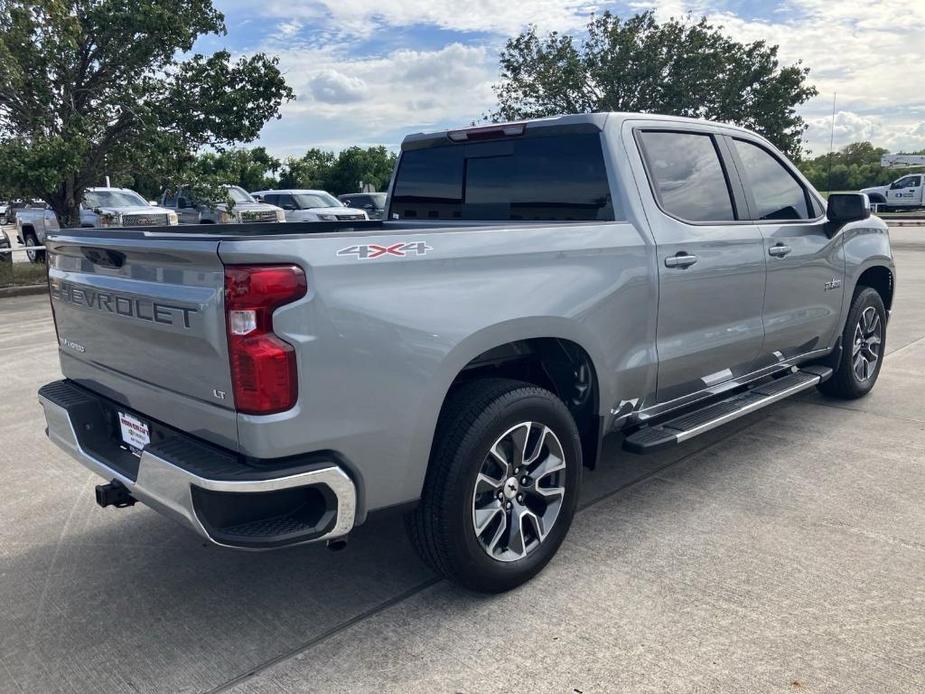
377, 199
309, 201
113, 198
239, 194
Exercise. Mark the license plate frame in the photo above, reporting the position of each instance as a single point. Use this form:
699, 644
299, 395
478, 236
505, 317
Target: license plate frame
136, 433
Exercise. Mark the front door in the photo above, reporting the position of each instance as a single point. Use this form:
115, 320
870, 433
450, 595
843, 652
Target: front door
806, 268
906, 192
711, 264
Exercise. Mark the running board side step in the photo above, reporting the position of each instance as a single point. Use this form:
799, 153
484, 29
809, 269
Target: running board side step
680, 429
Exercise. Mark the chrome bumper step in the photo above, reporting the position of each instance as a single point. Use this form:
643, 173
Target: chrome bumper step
715, 414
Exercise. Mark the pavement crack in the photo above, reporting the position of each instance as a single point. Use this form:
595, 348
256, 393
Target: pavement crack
325, 635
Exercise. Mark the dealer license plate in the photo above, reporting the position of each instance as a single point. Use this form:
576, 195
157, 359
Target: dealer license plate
135, 433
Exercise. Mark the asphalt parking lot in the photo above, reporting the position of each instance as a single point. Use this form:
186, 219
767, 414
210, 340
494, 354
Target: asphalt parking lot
785, 552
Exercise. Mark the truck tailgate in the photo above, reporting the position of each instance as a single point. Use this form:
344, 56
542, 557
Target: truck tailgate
141, 320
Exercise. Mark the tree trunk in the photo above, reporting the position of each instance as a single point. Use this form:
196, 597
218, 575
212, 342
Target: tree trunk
66, 204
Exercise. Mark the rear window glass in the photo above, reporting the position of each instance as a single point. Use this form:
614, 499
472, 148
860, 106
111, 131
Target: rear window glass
687, 176
551, 178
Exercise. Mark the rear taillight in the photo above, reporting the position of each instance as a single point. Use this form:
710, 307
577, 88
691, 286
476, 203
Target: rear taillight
263, 366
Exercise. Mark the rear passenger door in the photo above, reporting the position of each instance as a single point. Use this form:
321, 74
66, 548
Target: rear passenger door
711, 261
806, 268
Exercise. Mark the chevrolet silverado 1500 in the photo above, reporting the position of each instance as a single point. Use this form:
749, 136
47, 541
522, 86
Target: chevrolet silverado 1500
535, 287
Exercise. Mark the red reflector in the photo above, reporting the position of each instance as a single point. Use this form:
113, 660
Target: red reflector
263, 366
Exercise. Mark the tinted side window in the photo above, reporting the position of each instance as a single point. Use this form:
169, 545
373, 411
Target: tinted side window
777, 194
906, 182
544, 178
687, 175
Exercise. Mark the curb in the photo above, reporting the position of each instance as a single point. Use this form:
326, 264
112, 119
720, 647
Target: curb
28, 290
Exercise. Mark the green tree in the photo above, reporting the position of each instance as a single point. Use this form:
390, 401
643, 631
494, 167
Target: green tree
251, 169
312, 170
677, 67
96, 87
355, 166
341, 173
853, 167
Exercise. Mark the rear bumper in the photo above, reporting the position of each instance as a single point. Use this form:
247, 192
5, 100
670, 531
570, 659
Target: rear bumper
225, 498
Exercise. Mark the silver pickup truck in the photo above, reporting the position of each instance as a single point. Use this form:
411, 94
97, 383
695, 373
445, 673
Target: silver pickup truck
101, 207
536, 287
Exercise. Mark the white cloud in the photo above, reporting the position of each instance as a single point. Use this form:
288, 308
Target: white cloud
333, 87
907, 136
343, 101
871, 53
496, 16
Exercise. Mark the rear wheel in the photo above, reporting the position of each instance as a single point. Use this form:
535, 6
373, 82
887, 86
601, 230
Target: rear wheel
863, 343
502, 485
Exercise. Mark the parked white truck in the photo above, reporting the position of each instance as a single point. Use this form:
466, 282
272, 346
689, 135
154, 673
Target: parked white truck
903, 193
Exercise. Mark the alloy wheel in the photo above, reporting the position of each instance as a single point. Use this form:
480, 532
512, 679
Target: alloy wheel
868, 337
519, 491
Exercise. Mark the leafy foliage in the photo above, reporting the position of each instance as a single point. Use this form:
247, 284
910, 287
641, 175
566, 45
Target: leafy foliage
96, 87
341, 173
854, 167
640, 65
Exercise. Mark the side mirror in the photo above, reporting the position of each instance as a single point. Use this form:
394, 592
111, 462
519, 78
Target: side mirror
846, 207
288, 206
182, 202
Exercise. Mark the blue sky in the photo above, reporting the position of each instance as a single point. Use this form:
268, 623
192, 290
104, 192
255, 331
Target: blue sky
367, 72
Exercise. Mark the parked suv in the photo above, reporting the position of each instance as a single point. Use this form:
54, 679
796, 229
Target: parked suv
311, 206
373, 204
536, 287
243, 208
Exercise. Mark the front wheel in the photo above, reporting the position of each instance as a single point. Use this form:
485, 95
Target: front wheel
863, 344
502, 485
35, 256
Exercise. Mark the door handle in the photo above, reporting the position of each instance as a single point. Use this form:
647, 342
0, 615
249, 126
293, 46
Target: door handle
779, 251
681, 260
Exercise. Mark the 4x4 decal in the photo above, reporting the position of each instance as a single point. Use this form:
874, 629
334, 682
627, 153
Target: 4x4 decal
371, 251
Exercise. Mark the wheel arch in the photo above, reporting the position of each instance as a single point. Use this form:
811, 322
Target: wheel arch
879, 278
563, 361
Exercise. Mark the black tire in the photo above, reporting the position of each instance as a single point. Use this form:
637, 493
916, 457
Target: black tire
442, 527
846, 383
37, 257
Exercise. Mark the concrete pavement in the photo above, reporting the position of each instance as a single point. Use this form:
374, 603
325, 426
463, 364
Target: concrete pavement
785, 552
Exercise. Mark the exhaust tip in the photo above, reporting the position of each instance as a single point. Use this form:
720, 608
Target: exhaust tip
336, 545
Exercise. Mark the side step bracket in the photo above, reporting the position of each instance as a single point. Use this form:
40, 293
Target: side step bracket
687, 426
